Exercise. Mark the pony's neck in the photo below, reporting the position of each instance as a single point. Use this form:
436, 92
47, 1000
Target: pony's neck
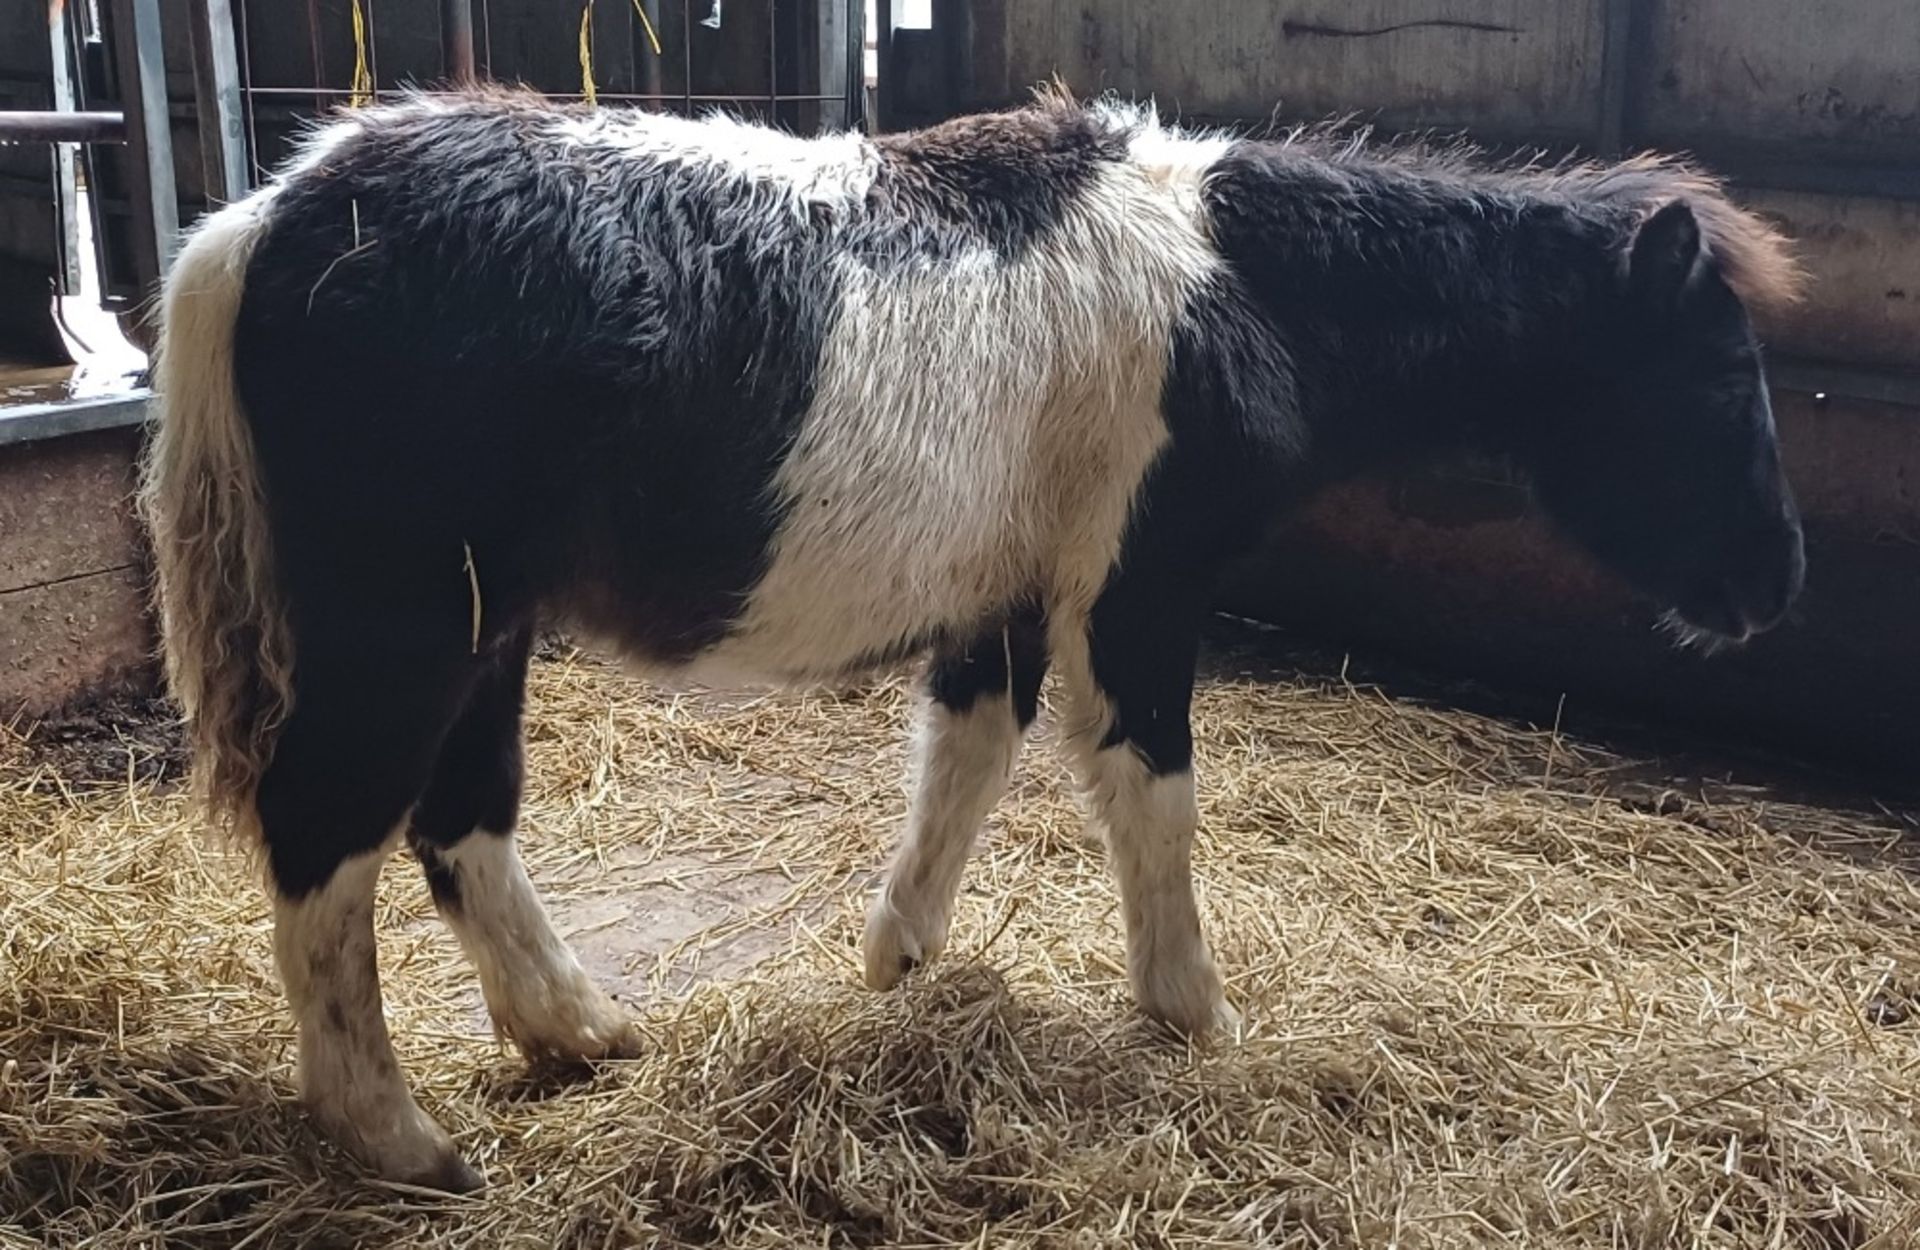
1424, 312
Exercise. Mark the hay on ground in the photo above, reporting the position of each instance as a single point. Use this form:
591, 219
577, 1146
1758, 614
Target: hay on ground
1501, 990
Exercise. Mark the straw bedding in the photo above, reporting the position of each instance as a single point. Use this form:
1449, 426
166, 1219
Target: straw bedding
1503, 989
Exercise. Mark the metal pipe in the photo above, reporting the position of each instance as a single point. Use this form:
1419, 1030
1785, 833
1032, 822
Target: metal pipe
456, 39
62, 127
652, 76
758, 97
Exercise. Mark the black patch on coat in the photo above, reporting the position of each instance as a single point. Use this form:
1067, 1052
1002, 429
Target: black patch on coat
1143, 635
1009, 658
477, 779
581, 366
442, 881
1002, 179
1422, 308
1378, 310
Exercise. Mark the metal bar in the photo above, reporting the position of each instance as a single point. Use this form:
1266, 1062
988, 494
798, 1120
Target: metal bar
316, 50
456, 39
373, 54
30, 423
216, 94
883, 52
156, 130
572, 95
143, 98
242, 37
652, 71
62, 127
854, 116
66, 183
1812, 377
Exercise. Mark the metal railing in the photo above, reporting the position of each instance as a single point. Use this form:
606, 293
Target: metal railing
663, 49
232, 105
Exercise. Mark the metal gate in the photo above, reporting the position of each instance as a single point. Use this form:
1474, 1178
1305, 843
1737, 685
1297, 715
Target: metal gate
185, 103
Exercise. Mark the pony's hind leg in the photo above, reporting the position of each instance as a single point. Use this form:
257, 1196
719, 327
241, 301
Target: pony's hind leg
349, 763
462, 831
981, 700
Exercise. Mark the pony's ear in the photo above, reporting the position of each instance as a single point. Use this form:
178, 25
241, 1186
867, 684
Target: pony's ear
1664, 258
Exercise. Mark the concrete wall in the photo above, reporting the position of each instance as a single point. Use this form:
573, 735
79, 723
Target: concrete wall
72, 572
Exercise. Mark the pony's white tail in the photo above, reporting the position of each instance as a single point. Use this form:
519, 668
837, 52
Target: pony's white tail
229, 653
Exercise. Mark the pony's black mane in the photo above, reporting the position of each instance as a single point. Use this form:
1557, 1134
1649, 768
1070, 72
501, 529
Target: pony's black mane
1750, 254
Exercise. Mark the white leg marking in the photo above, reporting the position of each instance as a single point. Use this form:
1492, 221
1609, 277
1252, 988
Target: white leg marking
350, 1078
535, 989
964, 762
1150, 823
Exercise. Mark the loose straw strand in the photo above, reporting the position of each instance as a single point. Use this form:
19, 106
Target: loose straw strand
586, 54
362, 91
646, 24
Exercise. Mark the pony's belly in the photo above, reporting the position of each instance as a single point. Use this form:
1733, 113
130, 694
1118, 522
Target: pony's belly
827, 615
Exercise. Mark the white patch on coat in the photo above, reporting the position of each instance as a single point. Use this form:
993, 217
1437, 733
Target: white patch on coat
834, 170
534, 987
313, 149
979, 430
1177, 160
964, 761
350, 1078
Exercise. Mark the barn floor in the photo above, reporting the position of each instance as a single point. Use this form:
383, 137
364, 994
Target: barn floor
1503, 989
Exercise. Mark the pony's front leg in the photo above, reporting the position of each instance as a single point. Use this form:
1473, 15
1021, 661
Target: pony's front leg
1129, 689
980, 702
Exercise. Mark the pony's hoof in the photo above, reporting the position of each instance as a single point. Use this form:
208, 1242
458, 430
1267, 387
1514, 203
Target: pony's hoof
450, 1174
580, 1024
1187, 996
895, 945
399, 1143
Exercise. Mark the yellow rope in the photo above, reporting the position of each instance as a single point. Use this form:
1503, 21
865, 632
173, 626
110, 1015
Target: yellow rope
362, 92
586, 54
647, 26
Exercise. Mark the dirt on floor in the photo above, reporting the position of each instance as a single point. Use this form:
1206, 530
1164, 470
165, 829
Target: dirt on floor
115, 738
1503, 987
